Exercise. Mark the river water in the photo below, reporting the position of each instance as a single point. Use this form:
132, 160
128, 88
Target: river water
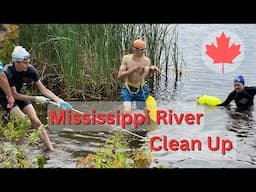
199, 77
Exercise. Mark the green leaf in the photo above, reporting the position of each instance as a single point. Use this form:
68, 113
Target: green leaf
40, 161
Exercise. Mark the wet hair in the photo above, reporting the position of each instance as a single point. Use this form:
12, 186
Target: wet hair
3, 28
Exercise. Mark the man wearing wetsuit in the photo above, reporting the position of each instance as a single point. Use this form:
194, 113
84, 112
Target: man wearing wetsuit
242, 95
16, 72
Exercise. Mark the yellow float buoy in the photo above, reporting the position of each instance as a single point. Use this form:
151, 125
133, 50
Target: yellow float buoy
152, 107
208, 100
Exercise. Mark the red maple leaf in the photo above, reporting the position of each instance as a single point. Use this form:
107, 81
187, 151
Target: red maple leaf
222, 53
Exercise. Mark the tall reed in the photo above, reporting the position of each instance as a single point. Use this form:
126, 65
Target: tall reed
81, 60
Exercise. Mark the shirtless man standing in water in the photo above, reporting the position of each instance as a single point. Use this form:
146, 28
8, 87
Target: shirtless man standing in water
135, 68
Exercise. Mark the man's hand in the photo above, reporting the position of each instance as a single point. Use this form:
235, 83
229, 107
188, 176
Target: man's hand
41, 99
154, 68
65, 105
11, 101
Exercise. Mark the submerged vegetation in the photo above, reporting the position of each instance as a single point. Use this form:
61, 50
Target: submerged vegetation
115, 154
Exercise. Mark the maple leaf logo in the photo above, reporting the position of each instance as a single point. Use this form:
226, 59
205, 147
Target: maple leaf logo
223, 53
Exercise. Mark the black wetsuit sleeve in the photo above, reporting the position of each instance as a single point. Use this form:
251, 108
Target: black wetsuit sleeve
253, 90
230, 97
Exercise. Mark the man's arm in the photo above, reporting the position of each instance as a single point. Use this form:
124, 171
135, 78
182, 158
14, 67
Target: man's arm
123, 72
147, 69
123, 69
42, 89
46, 92
230, 97
152, 68
21, 97
4, 84
253, 90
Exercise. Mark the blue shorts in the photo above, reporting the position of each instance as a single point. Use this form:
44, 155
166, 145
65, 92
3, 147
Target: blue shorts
139, 98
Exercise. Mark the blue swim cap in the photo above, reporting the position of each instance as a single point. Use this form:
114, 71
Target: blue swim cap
239, 79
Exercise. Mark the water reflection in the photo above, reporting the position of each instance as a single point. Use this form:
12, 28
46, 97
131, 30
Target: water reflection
241, 123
